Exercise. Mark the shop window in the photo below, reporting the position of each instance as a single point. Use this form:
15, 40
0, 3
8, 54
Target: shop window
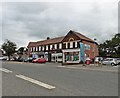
71, 56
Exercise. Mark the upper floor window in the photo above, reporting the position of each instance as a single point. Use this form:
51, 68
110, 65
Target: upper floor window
87, 47
55, 46
36, 48
33, 49
66, 45
43, 48
46, 47
60, 46
76, 44
50, 47
39, 48
71, 44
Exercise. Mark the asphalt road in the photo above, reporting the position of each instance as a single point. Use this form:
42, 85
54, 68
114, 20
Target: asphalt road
67, 81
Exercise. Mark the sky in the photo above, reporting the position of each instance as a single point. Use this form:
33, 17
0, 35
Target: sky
23, 22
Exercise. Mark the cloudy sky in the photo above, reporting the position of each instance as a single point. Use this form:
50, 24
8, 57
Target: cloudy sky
23, 22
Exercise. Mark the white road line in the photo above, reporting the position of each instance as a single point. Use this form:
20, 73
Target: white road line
36, 82
5, 70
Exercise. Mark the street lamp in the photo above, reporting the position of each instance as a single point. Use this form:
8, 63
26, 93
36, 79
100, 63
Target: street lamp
94, 49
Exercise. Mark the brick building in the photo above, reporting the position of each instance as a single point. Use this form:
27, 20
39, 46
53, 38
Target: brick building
72, 48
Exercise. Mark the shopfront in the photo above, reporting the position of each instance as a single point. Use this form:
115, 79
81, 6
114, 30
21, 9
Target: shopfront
56, 57
71, 56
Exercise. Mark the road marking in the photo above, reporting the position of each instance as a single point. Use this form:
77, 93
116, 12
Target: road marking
36, 82
5, 70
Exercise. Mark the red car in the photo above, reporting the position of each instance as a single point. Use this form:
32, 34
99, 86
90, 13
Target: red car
39, 60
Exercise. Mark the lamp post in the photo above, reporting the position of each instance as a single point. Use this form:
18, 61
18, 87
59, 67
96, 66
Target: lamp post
94, 50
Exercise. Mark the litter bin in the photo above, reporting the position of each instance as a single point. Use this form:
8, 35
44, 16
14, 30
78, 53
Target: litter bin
87, 62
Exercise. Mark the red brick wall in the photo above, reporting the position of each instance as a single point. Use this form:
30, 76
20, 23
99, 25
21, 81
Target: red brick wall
93, 50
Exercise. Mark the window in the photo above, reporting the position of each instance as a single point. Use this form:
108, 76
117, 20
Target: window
50, 47
71, 44
76, 44
43, 48
60, 46
55, 46
66, 45
36, 49
87, 47
46, 47
39, 48
31, 49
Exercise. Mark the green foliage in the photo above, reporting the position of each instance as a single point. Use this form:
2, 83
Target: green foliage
9, 47
21, 50
111, 47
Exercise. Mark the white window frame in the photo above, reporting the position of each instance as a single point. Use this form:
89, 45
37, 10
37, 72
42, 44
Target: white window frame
71, 44
76, 44
36, 49
43, 48
50, 47
60, 46
46, 47
33, 49
66, 45
55, 46
39, 48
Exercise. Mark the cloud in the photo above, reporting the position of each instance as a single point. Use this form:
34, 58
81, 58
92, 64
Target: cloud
31, 21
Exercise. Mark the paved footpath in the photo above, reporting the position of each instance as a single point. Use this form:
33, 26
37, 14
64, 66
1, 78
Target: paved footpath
94, 67
106, 68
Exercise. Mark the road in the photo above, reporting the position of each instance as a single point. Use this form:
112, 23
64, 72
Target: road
28, 79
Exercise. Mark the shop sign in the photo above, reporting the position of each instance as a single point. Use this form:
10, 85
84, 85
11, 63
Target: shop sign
82, 53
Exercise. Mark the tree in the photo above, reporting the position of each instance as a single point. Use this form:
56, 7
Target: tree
111, 47
9, 48
22, 50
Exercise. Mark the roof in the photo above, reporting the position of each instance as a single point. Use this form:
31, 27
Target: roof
46, 42
81, 36
58, 39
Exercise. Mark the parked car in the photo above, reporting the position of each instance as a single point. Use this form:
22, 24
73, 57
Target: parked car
39, 60
118, 61
4, 58
110, 61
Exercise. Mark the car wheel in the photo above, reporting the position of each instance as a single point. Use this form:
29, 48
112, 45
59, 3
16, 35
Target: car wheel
112, 64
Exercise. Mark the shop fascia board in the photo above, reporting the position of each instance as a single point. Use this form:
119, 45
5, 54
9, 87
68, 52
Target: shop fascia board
71, 50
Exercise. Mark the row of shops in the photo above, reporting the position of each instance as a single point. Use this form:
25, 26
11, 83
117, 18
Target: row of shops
75, 49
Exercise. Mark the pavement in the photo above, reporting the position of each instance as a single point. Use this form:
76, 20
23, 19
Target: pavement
94, 67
